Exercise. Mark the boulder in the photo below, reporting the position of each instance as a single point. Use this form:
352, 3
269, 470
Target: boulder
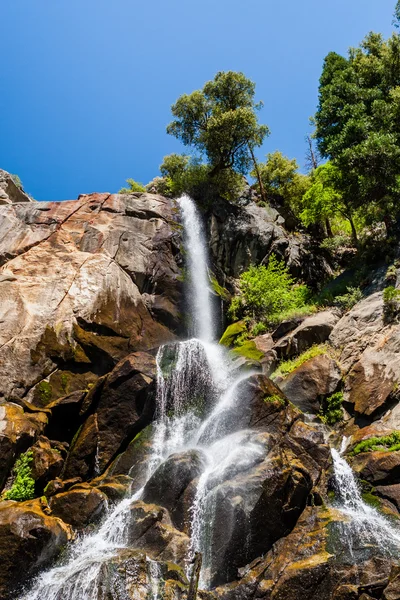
65, 416
315, 379
390, 493
168, 483
29, 540
313, 330
47, 462
379, 468
78, 284
150, 529
373, 381
18, 430
130, 575
124, 405
79, 506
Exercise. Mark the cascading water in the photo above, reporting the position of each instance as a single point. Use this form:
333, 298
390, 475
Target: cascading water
365, 525
190, 374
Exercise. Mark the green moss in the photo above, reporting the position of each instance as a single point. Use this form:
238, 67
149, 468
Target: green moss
45, 391
331, 409
371, 500
218, 289
23, 487
274, 398
288, 366
249, 350
232, 332
385, 443
64, 383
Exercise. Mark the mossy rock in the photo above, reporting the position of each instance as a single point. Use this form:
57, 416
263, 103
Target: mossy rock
232, 332
219, 289
248, 350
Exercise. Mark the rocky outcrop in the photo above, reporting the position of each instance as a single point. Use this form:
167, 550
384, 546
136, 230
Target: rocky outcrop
79, 506
244, 235
10, 192
106, 283
312, 330
29, 539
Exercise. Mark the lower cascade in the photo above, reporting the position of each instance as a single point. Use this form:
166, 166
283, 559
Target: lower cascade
229, 471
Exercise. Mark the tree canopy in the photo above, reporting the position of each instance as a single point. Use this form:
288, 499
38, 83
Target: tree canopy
220, 122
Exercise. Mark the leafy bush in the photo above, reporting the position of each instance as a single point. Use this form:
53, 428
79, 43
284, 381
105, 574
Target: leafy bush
23, 487
331, 410
258, 329
388, 443
332, 244
348, 300
134, 186
266, 292
288, 366
391, 298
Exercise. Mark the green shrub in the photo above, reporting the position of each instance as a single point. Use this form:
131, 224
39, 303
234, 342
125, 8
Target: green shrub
258, 329
232, 332
332, 244
331, 409
288, 366
391, 297
134, 186
274, 398
23, 487
17, 180
387, 443
267, 292
348, 300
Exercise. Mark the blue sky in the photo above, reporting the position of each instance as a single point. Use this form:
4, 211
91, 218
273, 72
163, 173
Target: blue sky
87, 85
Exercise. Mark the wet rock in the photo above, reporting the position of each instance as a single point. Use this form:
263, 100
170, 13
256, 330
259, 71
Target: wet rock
56, 486
130, 575
47, 462
390, 492
150, 528
133, 461
79, 506
167, 485
82, 455
392, 591
18, 430
311, 382
29, 539
379, 468
92, 259
114, 487
313, 330
65, 416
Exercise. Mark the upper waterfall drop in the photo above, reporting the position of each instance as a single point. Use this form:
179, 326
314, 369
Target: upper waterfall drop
199, 284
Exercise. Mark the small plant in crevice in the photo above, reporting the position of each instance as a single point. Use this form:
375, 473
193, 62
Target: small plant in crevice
385, 443
391, 303
274, 398
331, 409
288, 366
350, 298
23, 487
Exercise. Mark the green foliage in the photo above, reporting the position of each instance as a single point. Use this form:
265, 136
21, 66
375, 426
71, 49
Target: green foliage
23, 487
218, 289
332, 244
391, 302
266, 292
396, 15
358, 125
134, 186
274, 398
45, 391
288, 366
16, 179
387, 443
324, 198
331, 409
186, 175
280, 178
258, 329
350, 298
220, 121
390, 294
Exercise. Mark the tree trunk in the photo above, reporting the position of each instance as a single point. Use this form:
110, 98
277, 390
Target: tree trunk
194, 578
353, 230
328, 228
260, 183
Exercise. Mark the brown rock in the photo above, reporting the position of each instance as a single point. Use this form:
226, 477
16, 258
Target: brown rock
56, 486
29, 539
47, 462
313, 330
378, 467
18, 430
79, 506
88, 262
307, 385
82, 455
10, 193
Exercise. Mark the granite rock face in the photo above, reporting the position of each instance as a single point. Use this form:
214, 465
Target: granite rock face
83, 284
10, 192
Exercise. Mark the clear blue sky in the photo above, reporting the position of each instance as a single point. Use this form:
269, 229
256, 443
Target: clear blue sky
86, 85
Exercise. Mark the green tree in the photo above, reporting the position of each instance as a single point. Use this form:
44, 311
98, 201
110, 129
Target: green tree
358, 123
134, 186
324, 199
396, 16
282, 181
220, 122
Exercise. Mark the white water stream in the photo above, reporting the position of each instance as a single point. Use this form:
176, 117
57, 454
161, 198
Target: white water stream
194, 377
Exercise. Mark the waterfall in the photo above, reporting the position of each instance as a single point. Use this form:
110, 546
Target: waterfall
365, 525
199, 285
